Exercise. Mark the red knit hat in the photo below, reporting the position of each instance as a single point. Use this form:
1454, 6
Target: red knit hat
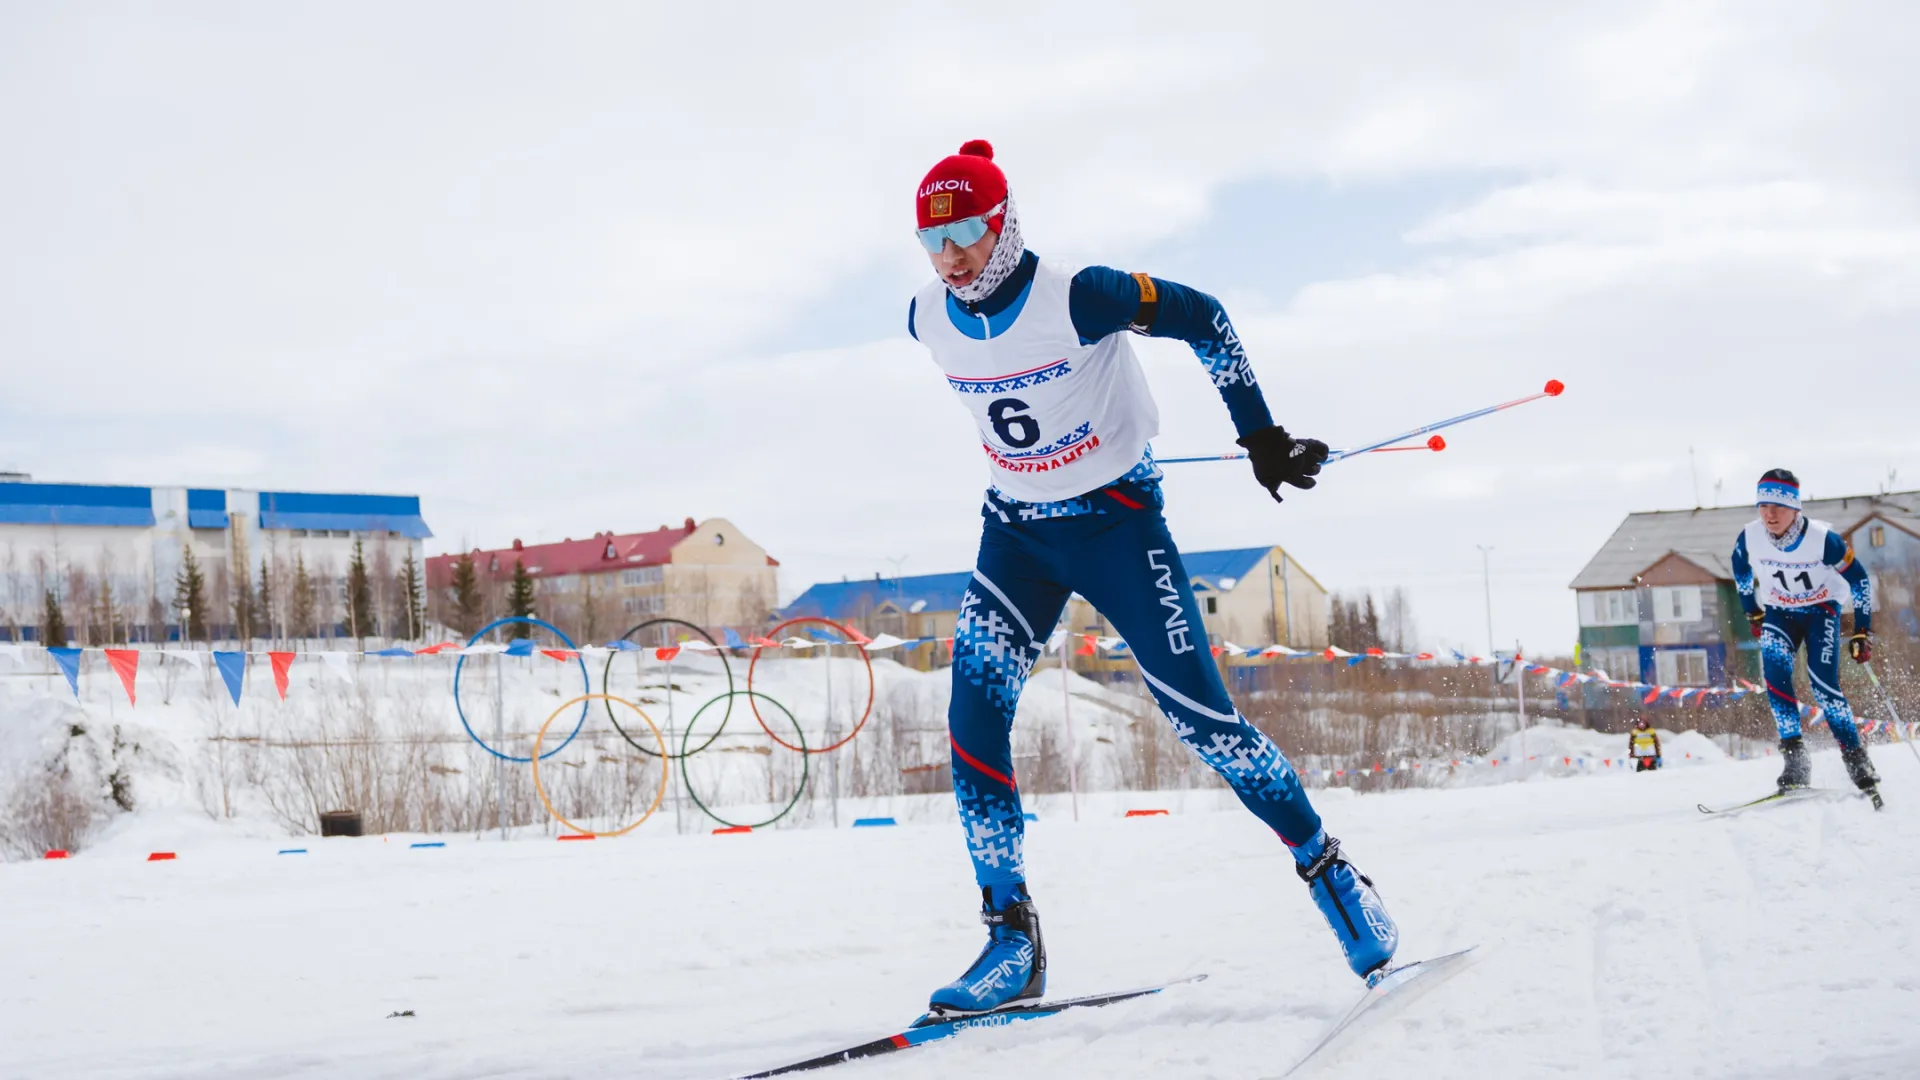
966, 184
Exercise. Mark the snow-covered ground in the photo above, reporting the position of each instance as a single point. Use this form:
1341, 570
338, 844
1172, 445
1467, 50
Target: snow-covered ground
1622, 934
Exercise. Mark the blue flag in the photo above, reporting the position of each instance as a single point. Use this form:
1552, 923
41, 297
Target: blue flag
233, 671
520, 647
392, 651
69, 661
623, 645
733, 639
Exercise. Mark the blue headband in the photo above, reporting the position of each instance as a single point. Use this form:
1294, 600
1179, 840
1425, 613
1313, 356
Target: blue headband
1778, 493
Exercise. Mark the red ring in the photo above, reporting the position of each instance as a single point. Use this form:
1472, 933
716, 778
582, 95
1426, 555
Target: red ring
851, 640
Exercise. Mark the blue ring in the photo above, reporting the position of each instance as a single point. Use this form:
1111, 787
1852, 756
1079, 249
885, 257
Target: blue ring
531, 621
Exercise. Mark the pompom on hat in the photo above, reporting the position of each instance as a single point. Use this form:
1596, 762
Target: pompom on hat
1779, 488
962, 185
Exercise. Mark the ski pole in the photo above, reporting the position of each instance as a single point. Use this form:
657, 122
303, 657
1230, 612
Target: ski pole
1435, 443
1888, 698
1553, 388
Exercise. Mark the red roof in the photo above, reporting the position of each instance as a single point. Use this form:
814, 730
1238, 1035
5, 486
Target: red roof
600, 552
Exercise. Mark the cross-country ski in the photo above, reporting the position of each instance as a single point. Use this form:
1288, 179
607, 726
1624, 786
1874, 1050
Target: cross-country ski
931, 1028
1394, 989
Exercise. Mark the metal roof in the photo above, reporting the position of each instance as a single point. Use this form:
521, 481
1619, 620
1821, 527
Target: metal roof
844, 600
352, 513
1222, 569
75, 504
1705, 536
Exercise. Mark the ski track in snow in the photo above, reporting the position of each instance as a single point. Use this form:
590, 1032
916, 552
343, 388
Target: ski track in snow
1622, 935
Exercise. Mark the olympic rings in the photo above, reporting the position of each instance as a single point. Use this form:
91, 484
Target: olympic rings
798, 789
666, 771
585, 683
802, 748
606, 684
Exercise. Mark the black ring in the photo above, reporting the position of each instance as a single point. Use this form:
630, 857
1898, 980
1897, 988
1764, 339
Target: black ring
606, 687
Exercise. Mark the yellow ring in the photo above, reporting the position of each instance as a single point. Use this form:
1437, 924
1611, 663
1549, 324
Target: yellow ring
666, 774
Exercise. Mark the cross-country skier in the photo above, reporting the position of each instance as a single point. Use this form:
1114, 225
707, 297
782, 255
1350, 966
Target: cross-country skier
1039, 354
1793, 573
1643, 746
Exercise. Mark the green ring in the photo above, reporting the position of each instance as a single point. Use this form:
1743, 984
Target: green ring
799, 789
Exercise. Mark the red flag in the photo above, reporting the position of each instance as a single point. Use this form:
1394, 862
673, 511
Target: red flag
1423, 656
1086, 646
559, 654
1217, 650
433, 650
126, 662
854, 635
1376, 652
667, 654
282, 663
763, 643
1652, 696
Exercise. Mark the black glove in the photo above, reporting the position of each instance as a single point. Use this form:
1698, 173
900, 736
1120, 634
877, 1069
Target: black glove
1756, 620
1860, 648
1279, 458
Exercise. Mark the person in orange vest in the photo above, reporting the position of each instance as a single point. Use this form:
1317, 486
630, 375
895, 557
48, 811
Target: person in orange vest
1643, 746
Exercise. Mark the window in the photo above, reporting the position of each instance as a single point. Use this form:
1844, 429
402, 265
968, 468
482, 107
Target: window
1877, 536
1213, 605
1676, 604
1680, 667
644, 605
1613, 607
646, 575
1621, 663
719, 539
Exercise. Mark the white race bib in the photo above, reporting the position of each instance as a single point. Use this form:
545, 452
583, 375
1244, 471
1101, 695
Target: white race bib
1798, 578
1056, 418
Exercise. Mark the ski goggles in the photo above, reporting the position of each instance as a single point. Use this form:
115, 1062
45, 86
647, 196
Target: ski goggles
966, 232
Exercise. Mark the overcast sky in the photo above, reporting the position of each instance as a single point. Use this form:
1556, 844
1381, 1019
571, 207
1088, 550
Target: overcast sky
560, 268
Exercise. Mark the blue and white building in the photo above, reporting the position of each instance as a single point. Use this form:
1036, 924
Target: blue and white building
87, 543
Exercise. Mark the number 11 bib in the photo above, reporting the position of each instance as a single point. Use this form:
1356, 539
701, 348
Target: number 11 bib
1056, 418
1797, 578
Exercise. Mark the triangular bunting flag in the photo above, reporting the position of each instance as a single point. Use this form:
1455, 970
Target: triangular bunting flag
340, 664
282, 663
69, 663
562, 655
520, 647
666, 654
732, 639
126, 663
233, 671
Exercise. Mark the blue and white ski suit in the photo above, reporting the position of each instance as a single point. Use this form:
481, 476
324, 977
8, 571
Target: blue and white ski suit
1064, 417
1801, 580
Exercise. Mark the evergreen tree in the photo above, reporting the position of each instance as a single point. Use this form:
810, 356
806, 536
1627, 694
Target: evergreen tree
303, 601
190, 596
359, 595
466, 596
1370, 624
263, 601
413, 599
53, 623
520, 599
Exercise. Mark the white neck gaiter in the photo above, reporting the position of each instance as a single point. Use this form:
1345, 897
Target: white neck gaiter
1000, 265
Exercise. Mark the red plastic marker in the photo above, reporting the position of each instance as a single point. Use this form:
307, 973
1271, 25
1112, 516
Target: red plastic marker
161, 856
57, 853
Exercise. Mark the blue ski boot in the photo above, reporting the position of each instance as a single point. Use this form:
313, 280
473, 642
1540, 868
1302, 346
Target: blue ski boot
1011, 968
1346, 897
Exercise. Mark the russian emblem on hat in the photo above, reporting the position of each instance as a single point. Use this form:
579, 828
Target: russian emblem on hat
940, 205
